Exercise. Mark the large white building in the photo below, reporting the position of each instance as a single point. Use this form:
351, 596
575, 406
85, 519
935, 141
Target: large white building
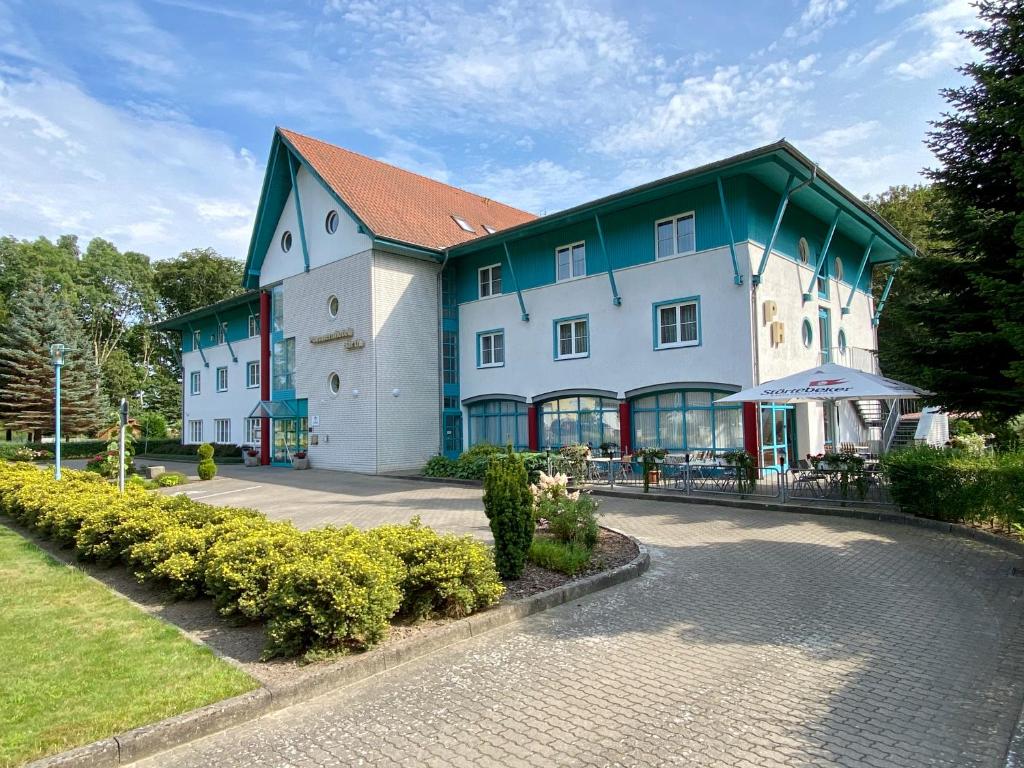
391, 317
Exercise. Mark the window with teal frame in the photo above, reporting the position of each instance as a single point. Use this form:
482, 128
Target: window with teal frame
686, 420
277, 303
579, 421
284, 365
499, 422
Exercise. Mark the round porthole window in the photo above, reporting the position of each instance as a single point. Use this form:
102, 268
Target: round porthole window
805, 250
286, 241
842, 342
332, 306
807, 333
331, 223
839, 268
334, 382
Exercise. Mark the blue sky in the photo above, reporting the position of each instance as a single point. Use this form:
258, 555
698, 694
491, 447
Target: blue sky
149, 122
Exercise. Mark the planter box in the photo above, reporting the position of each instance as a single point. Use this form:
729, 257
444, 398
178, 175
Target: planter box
300, 463
251, 461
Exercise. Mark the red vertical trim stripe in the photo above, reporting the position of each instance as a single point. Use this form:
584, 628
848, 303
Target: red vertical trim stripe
750, 425
625, 427
265, 374
531, 427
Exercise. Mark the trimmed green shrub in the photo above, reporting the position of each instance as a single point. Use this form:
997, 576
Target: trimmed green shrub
571, 517
474, 462
337, 592
206, 468
440, 466
318, 591
559, 556
241, 561
170, 479
72, 449
446, 575
508, 505
188, 450
957, 485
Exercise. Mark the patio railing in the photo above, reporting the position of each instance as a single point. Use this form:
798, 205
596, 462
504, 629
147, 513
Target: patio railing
820, 485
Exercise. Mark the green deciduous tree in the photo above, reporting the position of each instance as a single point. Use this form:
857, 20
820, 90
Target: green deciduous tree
115, 292
194, 279
37, 318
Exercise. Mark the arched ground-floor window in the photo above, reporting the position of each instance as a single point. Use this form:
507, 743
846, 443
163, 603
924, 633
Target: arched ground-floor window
686, 420
573, 420
499, 422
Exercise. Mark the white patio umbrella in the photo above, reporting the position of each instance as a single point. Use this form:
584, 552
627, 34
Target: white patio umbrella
828, 382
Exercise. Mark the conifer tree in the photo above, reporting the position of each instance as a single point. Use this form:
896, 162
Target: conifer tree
38, 318
963, 331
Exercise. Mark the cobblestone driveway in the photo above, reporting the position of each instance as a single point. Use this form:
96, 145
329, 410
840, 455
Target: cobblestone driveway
756, 639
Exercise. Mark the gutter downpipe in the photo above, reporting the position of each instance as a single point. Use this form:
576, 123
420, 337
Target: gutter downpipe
440, 353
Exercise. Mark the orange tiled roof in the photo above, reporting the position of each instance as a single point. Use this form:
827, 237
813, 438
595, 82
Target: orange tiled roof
401, 205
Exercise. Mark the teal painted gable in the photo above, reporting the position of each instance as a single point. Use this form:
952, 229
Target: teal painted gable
629, 237
237, 319
798, 222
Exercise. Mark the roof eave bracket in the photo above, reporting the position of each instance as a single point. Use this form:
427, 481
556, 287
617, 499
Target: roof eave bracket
524, 315
199, 349
885, 295
822, 256
616, 299
860, 273
220, 325
737, 278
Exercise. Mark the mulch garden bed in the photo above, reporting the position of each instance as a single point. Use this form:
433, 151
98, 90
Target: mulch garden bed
612, 550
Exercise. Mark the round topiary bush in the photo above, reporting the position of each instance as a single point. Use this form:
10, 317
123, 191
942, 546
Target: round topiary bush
207, 470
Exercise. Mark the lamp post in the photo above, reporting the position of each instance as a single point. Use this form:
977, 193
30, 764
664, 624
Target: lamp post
57, 358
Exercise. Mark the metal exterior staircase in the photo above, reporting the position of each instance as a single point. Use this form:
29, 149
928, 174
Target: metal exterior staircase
871, 412
905, 431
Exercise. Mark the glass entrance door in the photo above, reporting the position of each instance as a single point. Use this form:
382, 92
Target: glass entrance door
778, 436
289, 436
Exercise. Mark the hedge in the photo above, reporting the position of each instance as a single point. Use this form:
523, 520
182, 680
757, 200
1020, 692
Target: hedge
958, 486
326, 589
472, 464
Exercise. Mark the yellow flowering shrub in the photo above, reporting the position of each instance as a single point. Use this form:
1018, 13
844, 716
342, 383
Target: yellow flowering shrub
331, 588
446, 575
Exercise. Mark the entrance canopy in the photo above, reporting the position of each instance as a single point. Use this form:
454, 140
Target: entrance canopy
274, 409
828, 382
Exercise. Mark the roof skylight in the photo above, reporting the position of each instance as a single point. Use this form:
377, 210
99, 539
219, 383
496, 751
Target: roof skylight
489, 229
463, 224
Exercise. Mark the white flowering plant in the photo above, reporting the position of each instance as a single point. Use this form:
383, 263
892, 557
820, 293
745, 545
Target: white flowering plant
571, 516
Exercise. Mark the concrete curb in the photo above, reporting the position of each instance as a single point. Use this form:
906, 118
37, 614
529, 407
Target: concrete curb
147, 740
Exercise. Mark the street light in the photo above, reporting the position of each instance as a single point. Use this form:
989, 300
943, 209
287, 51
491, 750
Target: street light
57, 358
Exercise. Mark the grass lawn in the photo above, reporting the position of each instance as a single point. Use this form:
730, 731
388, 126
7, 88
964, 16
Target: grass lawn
78, 663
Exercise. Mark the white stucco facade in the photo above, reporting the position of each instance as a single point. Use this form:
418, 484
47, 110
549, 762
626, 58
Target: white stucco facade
233, 404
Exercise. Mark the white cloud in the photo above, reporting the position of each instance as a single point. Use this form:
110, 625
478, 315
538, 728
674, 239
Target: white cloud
941, 47
744, 104
71, 164
861, 59
542, 186
818, 16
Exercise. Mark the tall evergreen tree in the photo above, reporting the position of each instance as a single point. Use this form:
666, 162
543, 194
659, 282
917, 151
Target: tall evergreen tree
37, 318
964, 329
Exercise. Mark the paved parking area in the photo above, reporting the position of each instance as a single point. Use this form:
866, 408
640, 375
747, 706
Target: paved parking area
313, 498
756, 639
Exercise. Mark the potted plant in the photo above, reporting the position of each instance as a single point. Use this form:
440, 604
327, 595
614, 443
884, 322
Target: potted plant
251, 457
300, 460
746, 469
649, 458
607, 449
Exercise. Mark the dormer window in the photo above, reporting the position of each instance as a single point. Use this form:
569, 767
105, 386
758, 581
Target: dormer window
463, 224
